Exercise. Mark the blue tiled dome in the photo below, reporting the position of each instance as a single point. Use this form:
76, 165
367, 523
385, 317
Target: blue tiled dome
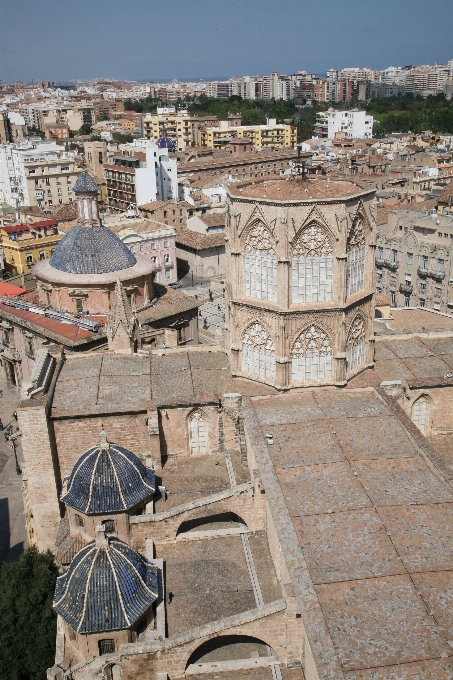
166, 143
107, 478
107, 587
91, 250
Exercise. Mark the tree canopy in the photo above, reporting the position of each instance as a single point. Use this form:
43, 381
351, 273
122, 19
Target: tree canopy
27, 623
405, 113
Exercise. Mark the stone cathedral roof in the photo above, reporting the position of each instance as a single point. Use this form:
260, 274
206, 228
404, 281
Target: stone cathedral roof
107, 478
108, 586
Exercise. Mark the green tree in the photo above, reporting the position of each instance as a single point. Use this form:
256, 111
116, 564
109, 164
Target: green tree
32, 130
27, 622
103, 115
84, 129
120, 138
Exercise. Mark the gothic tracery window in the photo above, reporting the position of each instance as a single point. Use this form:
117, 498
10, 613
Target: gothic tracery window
260, 264
355, 266
197, 427
311, 267
311, 356
355, 344
258, 352
420, 414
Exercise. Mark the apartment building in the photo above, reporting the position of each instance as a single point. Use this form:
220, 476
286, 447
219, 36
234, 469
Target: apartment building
414, 260
25, 244
139, 173
182, 129
37, 173
354, 123
150, 239
269, 136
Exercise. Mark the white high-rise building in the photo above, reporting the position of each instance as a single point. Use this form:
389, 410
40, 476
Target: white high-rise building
354, 123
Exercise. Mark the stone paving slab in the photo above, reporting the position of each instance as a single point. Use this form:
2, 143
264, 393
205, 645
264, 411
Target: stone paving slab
421, 535
437, 591
317, 489
299, 444
358, 440
209, 581
427, 367
379, 622
400, 481
410, 348
434, 669
289, 409
346, 546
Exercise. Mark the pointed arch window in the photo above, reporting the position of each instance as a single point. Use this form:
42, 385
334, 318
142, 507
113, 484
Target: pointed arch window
355, 344
311, 356
311, 267
258, 352
420, 414
197, 427
355, 266
260, 264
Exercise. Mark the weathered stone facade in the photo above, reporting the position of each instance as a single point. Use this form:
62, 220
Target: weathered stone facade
303, 301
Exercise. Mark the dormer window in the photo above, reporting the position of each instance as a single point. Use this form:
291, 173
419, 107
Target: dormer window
109, 526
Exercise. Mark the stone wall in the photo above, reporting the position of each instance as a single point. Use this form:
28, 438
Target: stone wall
74, 436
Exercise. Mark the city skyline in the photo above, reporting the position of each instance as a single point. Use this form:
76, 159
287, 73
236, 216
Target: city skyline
236, 38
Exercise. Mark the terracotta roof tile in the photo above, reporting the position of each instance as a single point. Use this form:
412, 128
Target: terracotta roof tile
169, 303
296, 189
193, 239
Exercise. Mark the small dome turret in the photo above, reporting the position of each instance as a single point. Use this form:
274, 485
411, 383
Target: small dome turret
107, 478
108, 586
165, 142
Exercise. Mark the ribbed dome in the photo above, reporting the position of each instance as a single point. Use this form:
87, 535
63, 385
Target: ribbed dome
107, 478
107, 587
166, 143
91, 250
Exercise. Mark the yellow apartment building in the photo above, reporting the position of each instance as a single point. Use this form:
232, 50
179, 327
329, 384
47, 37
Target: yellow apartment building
50, 182
269, 136
183, 130
25, 244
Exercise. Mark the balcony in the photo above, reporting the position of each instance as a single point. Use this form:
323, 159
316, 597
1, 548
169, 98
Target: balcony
157, 268
436, 275
406, 288
380, 263
393, 266
421, 271
169, 265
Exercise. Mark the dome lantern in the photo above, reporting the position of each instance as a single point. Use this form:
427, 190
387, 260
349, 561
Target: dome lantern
86, 191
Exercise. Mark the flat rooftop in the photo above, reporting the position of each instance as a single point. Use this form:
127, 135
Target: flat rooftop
419, 360
210, 580
414, 321
207, 474
298, 189
364, 520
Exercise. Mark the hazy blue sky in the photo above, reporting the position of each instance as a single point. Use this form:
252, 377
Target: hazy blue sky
164, 39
